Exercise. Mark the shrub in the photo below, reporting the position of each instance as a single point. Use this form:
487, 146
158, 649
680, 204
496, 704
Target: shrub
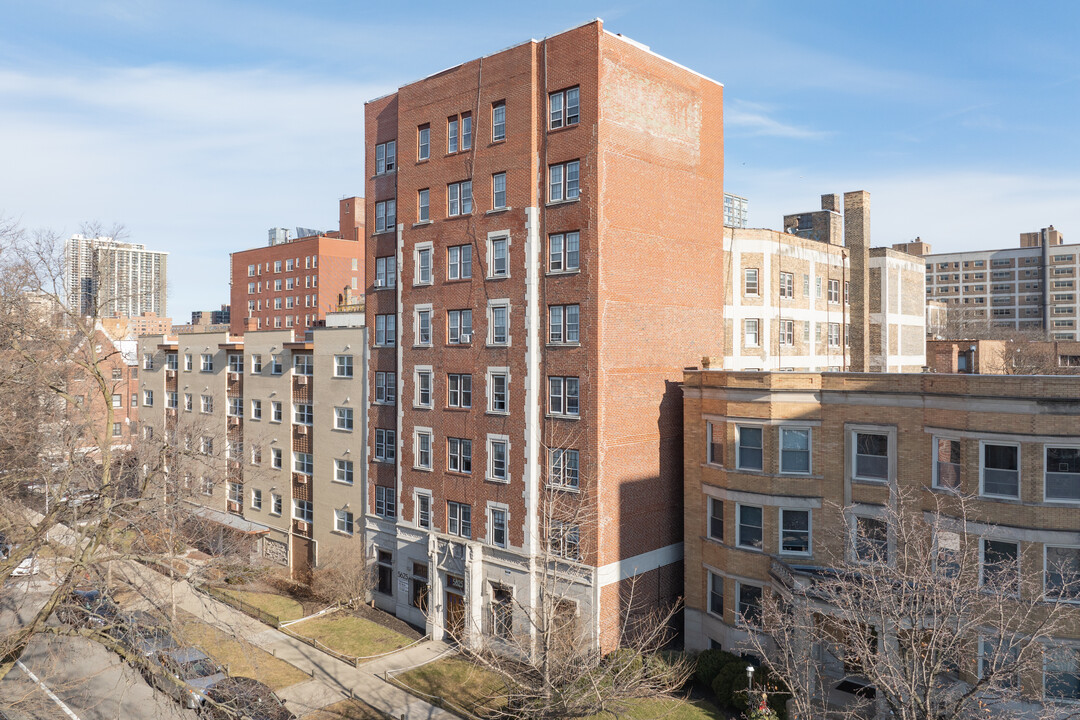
709, 663
730, 686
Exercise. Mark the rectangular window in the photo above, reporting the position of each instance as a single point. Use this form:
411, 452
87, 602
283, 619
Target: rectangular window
565, 539
459, 390
714, 443
236, 407
564, 181
1061, 673
275, 411
452, 135
423, 142
343, 521
716, 594
871, 456
1000, 568
458, 327
459, 455
795, 450
1000, 470
385, 501
207, 363
302, 463
498, 527
564, 252
384, 572
171, 363
834, 291
497, 459
303, 414
871, 540
117, 400
343, 418
423, 266
385, 272
459, 198
787, 285
422, 450
563, 398
385, 330
750, 332
385, 447
423, 205
946, 463
805, 285
1062, 579
502, 606
716, 519
207, 403
748, 447
498, 191
749, 610
563, 324
385, 215
499, 320
385, 157
423, 511
498, 121
564, 468
749, 529
459, 519
564, 107
1062, 480
834, 334
459, 262
148, 398
750, 281
423, 388
343, 366
498, 386
466, 131
795, 531
499, 265
787, 332
171, 399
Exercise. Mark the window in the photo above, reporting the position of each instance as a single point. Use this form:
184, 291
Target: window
946, 463
795, 531
423, 205
256, 364
749, 609
871, 540
502, 606
1000, 567
499, 324
385, 215
236, 492
423, 388
303, 414
385, 272
1062, 579
187, 402
834, 291
459, 390
303, 365
256, 455
343, 366
498, 191
499, 264
563, 324
385, 157
386, 387
343, 418
748, 447
458, 327
207, 362
343, 471
452, 135
170, 364
117, 400
716, 519
795, 450
498, 391
207, 405
497, 446
787, 285
1061, 673
805, 285
117, 429
135, 400
564, 252
206, 446
148, 398
422, 449
459, 262
459, 455
750, 281
275, 411
716, 594
275, 365
563, 396
418, 596
564, 468
384, 445
423, 510
871, 456
714, 444
498, 121
563, 181
343, 521
423, 142
748, 532
565, 539
834, 334
787, 332
498, 527
750, 332
302, 510
1062, 481
459, 198
459, 519
423, 265
275, 504
256, 499
817, 288
385, 330
564, 107
384, 564
148, 361
302, 463
385, 501
1000, 470
171, 399
207, 486
236, 407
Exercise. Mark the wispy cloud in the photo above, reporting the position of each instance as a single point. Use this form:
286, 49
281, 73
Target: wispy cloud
754, 120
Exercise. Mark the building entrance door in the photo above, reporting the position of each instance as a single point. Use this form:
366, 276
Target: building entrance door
455, 616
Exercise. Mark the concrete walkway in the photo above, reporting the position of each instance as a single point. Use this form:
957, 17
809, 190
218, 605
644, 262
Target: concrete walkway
332, 680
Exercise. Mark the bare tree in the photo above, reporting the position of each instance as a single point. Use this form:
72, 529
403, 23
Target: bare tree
344, 575
924, 620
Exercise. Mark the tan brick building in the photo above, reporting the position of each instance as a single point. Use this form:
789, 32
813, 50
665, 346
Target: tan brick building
771, 459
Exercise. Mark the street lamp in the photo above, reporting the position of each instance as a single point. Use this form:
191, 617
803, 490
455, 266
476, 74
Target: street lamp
749, 678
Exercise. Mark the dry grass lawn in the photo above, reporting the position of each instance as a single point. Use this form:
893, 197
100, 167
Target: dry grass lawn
351, 635
459, 681
281, 607
347, 710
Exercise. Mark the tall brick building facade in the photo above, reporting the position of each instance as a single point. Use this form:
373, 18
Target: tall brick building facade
537, 276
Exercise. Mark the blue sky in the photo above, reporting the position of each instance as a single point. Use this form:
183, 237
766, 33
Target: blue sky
198, 125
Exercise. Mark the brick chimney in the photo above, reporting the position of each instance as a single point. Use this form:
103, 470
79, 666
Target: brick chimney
857, 241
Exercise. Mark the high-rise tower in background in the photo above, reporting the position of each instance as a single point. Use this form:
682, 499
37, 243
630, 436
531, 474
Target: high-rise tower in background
105, 277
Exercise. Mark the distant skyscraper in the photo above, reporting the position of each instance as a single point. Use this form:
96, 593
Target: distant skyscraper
736, 210
104, 277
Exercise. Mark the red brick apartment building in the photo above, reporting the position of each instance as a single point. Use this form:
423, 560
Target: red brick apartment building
539, 271
293, 283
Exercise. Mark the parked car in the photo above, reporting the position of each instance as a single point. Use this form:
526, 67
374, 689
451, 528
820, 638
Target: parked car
243, 697
191, 672
143, 633
88, 608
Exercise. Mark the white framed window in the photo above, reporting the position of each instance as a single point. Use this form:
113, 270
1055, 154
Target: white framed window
422, 448
563, 396
834, 335
795, 450
947, 462
343, 521
148, 398
256, 364
256, 455
498, 191
423, 379
870, 450
423, 205
385, 272
794, 531
748, 447
303, 365
275, 458
459, 455
385, 215
1061, 480
302, 463
423, 142
256, 499
716, 594
148, 361
385, 388
716, 519
236, 493
564, 468
498, 121
459, 198
206, 403
343, 471
423, 273
276, 366
564, 539
385, 330
498, 256
786, 329
564, 107
385, 501
563, 324
207, 362
751, 337
275, 504
498, 451
275, 411
498, 390
1061, 578
187, 362
459, 262
466, 131
343, 418
452, 134
564, 181
749, 528
999, 469
207, 485
459, 327
564, 252
834, 291
459, 390
498, 322
422, 325
750, 281
999, 565
236, 407
498, 524
1061, 672
385, 157
459, 519
302, 510
172, 399
787, 285
422, 505
343, 366
303, 414
385, 445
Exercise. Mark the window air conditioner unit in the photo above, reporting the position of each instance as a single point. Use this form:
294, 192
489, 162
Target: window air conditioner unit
301, 429
302, 526
466, 337
301, 380
233, 375
301, 479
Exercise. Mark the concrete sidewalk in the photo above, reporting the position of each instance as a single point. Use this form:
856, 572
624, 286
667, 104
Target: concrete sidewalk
332, 680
